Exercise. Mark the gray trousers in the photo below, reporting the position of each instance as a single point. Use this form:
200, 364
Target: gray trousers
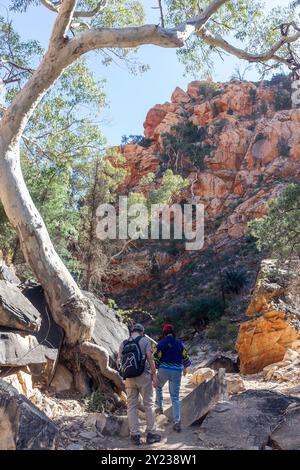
135, 386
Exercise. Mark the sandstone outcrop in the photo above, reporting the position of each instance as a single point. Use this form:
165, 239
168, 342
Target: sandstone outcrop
250, 152
287, 370
22, 425
265, 339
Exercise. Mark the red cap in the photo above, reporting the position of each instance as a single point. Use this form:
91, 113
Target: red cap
168, 327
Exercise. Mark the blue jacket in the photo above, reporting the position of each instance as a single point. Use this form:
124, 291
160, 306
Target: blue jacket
171, 353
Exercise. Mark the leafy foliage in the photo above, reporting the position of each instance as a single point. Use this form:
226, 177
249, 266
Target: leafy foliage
283, 148
209, 90
278, 230
184, 141
205, 309
224, 332
234, 280
136, 139
17, 57
98, 402
282, 100
247, 23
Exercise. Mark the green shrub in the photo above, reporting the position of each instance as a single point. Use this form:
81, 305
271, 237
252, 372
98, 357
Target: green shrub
97, 402
216, 108
259, 136
263, 107
111, 303
220, 124
184, 141
252, 94
209, 90
224, 332
205, 309
281, 79
235, 280
136, 139
230, 111
283, 148
282, 100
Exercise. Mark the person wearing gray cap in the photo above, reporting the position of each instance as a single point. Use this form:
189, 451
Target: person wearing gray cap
138, 369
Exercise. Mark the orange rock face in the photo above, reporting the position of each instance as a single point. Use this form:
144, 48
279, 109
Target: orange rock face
249, 152
153, 119
264, 340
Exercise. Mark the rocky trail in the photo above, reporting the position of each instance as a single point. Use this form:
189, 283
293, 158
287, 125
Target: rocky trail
79, 430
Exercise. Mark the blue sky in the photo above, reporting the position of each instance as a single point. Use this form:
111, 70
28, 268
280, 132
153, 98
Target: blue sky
129, 97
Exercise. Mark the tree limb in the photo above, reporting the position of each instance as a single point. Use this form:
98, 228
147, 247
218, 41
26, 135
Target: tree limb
216, 40
77, 14
136, 36
62, 23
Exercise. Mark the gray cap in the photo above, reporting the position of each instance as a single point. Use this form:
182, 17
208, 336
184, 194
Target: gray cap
138, 327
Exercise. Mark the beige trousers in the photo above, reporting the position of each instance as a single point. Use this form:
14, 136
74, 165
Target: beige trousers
135, 386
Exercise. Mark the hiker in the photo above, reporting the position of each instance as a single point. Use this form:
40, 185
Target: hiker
138, 369
171, 359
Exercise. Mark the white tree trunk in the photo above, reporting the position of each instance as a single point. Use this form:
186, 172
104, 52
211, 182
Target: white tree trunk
70, 309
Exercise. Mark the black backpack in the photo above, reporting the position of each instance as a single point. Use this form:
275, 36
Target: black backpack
132, 362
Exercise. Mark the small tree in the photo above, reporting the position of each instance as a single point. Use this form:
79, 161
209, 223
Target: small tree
279, 230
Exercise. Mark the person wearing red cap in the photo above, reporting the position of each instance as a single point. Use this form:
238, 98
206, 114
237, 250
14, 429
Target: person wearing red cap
171, 359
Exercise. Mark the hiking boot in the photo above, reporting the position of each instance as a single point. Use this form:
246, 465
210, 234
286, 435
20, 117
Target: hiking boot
177, 426
135, 439
159, 411
152, 438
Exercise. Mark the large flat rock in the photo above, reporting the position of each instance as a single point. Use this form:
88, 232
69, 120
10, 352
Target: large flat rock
37, 350
16, 312
286, 436
246, 421
197, 400
109, 330
22, 425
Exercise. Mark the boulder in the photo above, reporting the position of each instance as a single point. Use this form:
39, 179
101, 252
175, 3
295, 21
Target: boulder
202, 375
234, 383
221, 361
275, 300
287, 370
16, 312
7, 273
21, 380
108, 425
62, 380
286, 435
246, 421
22, 425
109, 330
38, 350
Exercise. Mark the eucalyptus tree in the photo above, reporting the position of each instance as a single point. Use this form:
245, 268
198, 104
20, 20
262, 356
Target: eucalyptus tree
114, 28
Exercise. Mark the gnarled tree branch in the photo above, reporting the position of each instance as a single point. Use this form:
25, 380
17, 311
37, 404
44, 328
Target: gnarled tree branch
77, 14
216, 40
